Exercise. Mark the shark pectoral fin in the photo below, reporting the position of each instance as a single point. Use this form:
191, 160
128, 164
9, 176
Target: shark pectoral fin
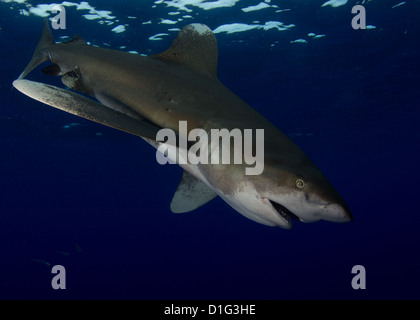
86, 108
191, 194
196, 48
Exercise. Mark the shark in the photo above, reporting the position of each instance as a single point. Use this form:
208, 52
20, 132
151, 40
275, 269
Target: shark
142, 95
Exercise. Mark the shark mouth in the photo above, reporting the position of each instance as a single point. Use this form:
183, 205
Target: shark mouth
284, 212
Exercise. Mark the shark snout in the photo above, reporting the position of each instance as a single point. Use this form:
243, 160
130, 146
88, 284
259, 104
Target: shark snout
304, 210
336, 212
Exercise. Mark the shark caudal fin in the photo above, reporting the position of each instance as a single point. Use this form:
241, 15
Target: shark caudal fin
40, 55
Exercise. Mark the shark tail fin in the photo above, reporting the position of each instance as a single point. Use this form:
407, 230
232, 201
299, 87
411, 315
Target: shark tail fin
40, 55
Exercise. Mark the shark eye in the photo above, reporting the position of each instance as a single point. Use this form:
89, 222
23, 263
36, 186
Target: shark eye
300, 183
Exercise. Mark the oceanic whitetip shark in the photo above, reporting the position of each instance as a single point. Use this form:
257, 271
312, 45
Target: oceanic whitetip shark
141, 95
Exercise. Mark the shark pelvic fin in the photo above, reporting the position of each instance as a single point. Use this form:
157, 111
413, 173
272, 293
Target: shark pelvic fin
195, 47
191, 194
40, 54
86, 108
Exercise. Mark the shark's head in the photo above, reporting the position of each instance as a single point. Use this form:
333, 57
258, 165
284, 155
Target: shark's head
282, 194
303, 193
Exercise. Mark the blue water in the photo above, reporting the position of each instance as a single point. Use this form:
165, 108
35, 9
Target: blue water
96, 201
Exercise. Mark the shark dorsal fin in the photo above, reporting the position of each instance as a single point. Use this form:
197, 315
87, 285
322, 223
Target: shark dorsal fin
195, 47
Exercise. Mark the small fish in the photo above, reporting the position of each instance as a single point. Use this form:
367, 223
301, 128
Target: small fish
63, 253
43, 262
77, 247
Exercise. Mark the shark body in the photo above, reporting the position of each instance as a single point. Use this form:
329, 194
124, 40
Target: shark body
142, 95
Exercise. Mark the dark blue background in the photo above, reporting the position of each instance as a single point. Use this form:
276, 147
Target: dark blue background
349, 100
